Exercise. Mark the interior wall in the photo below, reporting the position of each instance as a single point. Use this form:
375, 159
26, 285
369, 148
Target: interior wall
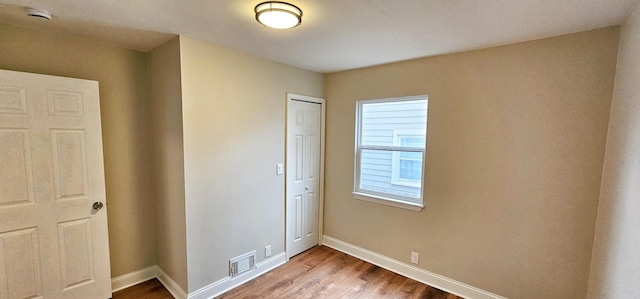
615, 268
122, 76
165, 106
233, 109
515, 146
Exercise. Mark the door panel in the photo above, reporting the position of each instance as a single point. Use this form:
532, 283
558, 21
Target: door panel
69, 163
309, 215
299, 162
20, 264
52, 243
65, 103
16, 186
12, 100
303, 164
76, 254
298, 218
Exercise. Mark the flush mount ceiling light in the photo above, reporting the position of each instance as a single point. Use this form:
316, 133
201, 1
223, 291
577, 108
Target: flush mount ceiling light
278, 15
38, 13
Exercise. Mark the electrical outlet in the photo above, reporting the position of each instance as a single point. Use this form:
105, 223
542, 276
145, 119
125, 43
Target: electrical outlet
267, 251
414, 257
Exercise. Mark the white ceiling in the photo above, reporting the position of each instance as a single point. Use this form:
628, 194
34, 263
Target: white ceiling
335, 34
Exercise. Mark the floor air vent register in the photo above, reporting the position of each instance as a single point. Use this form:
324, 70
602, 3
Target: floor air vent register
242, 264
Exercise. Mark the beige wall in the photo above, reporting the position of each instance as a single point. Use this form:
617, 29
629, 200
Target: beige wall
516, 140
165, 106
516, 147
615, 268
122, 77
234, 125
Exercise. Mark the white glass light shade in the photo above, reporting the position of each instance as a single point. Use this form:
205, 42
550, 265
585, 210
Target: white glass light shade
278, 15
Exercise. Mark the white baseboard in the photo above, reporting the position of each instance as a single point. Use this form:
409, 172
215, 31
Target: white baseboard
171, 285
133, 278
421, 275
223, 285
215, 289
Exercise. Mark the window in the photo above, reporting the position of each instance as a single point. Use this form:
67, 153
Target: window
390, 149
406, 167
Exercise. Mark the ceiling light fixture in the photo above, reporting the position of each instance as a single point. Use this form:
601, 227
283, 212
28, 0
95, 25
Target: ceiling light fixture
38, 13
278, 15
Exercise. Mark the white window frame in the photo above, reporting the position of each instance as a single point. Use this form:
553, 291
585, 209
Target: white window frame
399, 201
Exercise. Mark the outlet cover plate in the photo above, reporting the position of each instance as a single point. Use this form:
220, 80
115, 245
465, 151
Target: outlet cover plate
414, 257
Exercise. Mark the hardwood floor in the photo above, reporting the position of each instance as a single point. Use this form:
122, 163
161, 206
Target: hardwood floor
150, 289
320, 272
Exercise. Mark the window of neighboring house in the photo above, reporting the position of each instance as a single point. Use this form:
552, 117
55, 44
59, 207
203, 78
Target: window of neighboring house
390, 150
406, 167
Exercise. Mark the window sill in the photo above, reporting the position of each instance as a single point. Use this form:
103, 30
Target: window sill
388, 201
406, 184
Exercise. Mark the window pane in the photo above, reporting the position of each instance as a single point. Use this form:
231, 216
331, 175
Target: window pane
412, 141
410, 170
379, 120
410, 155
376, 173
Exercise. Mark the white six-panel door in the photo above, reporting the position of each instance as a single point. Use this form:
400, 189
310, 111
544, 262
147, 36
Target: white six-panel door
303, 175
53, 243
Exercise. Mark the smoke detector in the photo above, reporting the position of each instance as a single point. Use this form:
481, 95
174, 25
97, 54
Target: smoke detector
38, 13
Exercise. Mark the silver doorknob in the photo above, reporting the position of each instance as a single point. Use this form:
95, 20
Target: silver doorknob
97, 205
306, 188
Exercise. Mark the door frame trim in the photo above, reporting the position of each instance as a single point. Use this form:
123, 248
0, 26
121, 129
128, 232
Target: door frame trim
303, 98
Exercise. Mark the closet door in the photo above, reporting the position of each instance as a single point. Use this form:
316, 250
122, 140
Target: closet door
303, 175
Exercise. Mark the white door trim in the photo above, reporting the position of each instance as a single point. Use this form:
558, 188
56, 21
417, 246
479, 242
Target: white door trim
297, 97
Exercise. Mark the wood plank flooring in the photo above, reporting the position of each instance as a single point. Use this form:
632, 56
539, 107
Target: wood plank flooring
320, 272
150, 289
